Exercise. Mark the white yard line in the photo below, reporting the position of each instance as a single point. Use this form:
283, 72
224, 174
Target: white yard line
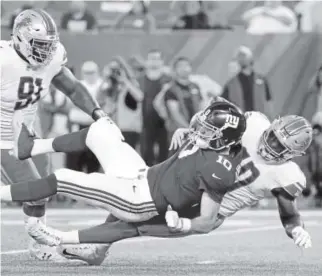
14, 252
100, 212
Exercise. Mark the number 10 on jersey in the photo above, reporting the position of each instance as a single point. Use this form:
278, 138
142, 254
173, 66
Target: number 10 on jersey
28, 92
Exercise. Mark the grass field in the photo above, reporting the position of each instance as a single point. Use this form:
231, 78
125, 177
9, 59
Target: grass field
251, 243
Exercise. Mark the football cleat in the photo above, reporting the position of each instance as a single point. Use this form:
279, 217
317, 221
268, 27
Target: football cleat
93, 254
45, 253
42, 233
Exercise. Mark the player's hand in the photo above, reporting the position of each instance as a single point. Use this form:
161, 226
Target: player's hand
178, 138
301, 237
173, 220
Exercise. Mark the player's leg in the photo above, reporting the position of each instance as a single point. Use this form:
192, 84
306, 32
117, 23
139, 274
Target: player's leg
103, 138
115, 156
127, 199
95, 241
15, 171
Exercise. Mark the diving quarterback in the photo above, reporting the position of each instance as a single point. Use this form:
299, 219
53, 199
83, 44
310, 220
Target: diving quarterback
32, 60
271, 145
201, 172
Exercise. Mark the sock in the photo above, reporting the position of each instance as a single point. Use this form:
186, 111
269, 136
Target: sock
108, 232
34, 210
70, 237
5, 193
33, 190
42, 146
72, 142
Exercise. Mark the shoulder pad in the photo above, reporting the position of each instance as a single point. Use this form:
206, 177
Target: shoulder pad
60, 58
257, 114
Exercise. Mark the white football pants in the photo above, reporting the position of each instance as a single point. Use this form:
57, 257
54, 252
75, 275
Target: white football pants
123, 190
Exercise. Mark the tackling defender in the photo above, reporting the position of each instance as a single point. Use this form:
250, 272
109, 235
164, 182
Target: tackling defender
201, 172
32, 60
271, 145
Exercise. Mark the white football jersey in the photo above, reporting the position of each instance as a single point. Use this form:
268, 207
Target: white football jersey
22, 87
287, 176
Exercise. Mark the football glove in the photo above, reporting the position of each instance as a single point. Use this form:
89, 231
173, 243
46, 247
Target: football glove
178, 138
175, 223
301, 237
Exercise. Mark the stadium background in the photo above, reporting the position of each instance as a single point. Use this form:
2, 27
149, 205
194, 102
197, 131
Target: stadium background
288, 61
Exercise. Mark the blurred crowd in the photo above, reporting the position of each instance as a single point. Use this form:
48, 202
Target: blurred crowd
149, 98
257, 17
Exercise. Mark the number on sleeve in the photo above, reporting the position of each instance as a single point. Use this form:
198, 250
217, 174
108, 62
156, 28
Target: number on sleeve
226, 163
28, 92
246, 172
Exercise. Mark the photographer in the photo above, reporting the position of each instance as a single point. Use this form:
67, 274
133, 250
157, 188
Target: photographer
121, 98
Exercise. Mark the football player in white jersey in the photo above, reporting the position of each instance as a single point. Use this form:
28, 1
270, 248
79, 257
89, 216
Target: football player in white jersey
32, 60
270, 146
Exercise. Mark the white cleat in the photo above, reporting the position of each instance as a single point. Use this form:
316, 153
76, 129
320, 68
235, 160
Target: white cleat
45, 253
42, 233
93, 254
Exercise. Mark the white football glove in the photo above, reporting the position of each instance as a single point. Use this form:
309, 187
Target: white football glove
175, 223
173, 220
178, 138
301, 237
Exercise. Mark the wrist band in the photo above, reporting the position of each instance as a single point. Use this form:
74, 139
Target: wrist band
186, 225
98, 113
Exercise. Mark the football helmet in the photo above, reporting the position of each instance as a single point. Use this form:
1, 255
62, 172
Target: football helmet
219, 126
35, 36
286, 138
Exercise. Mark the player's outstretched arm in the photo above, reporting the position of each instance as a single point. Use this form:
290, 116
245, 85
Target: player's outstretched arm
291, 219
66, 82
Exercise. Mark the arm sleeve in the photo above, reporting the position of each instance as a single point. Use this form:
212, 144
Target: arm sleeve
64, 22
91, 22
170, 95
268, 94
225, 93
213, 187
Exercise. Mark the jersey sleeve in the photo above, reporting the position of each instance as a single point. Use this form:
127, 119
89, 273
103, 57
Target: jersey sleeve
213, 187
170, 95
256, 115
59, 60
293, 182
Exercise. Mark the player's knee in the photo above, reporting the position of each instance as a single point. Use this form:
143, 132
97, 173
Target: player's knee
63, 174
103, 131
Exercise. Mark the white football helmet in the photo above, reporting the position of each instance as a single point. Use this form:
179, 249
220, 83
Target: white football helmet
35, 36
286, 138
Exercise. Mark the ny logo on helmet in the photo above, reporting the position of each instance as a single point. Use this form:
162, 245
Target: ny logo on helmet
231, 121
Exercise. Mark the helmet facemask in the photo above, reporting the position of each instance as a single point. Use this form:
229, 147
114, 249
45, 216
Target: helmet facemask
42, 50
273, 147
207, 136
